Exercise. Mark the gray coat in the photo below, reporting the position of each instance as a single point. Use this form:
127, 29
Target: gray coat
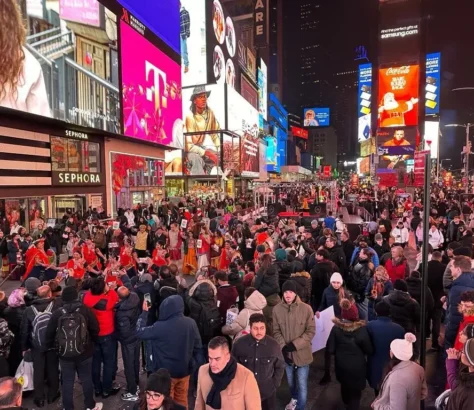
403, 388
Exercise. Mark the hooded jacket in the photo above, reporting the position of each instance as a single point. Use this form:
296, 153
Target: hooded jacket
267, 282
357, 280
336, 255
254, 304
126, 317
103, 307
283, 271
304, 284
172, 342
404, 310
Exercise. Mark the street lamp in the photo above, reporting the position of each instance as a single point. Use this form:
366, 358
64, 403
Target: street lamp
467, 149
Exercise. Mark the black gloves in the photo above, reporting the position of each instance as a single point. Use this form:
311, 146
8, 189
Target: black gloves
290, 347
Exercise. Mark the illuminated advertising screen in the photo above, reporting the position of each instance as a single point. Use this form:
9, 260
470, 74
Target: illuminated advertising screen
162, 17
282, 148
174, 162
263, 175
397, 141
398, 96
300, 132
433, 83
61, 73
152, 101
262, 90
365, 102
316, 117
231, 154
193, 43
431, 140
204, 112
248, 91
272, 154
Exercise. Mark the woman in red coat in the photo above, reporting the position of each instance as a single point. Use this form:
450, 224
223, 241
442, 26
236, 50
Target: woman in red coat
397, 266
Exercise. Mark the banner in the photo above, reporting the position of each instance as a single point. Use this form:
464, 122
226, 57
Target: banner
420, 168
433, 83
398, 96
365, 102
260, 23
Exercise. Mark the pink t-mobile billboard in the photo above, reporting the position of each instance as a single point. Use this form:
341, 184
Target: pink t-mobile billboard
80, 11
152, 100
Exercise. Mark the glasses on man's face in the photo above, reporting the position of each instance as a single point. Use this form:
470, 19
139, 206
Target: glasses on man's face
152, 395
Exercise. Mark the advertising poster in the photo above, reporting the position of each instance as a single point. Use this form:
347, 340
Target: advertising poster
272, 154
248, 91
431, 139
365, 102
152, 101
231, 154
174, 162
281, 143
398, 96
316, 117
193, 44
399, 141
262, 90
162, 17
56, 86
263, 174
433, 83
420, 168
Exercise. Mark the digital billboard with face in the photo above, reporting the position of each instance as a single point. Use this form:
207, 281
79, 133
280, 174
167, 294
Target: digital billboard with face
365, 102
316, 117
152, 101
398, 96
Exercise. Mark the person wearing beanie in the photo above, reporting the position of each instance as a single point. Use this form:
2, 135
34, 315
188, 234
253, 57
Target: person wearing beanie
404, 309
382, 332
294, 328
463, 281
157, 394
404, 385
350, 343
80, 364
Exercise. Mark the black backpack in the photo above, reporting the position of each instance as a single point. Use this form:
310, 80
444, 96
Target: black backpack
40, 323
72, 335
210, 322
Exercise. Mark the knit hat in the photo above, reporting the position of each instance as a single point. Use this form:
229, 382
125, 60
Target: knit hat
32, 284
146, 277
160, 382
261, 248
69, 294
336, 277
402, 349
349, 310
280, 255
400, 284
469, 351
289, 285
378, 237
462, 252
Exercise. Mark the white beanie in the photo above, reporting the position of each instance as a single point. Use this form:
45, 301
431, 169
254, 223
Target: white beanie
402, 349
336, 277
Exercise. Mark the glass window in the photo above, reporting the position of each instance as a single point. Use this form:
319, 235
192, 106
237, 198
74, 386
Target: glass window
74, 156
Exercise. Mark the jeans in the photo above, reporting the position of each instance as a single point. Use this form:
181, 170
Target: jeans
179, 391
131, 365
184, 51
363, 309
298, 381
68, 375
105, 351
46, 371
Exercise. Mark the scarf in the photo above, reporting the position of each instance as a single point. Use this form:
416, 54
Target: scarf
220, 382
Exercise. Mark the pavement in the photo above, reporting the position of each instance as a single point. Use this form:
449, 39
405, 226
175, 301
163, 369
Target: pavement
319, 397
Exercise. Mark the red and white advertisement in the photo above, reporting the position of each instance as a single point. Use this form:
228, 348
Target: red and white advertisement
420, 168
398, 96
327, 170
300, 132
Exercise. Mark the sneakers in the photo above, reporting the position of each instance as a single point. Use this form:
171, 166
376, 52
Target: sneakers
129, 396
115, 389
98, 406
291, 405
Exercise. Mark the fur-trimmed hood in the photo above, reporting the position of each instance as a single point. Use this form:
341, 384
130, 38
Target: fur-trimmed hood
301, 274
347, 325
193, 288
465, 311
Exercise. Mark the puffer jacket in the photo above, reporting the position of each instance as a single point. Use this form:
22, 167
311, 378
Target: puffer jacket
240, 327
304, 284
404, 310
126, 317
266, 282
295, 324
397, 270
359, 276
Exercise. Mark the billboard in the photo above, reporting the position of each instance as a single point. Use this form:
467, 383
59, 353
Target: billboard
272, 155
53, 74
365, 102
161, 17
397, 141
231, 154
248, 91
316, 117
433, 83
398, 96
431, 140
193, 43
152, 101
174, 162
300, 132
262, 165
262, 90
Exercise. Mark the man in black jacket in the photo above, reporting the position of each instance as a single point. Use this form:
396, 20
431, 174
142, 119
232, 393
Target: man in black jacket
32, 337
262, 355
336, 255
82, 364
126, 317
435, 284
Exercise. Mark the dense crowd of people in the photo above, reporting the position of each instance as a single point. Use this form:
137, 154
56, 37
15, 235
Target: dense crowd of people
214, 301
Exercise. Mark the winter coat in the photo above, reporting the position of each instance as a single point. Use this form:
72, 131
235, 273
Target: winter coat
404, 310
254, 304
295, 324
142, 288
303, 285
266, 282
380, 250
264, 359
400, 235
382, 332
348, 249
331, 297
283, 271
13, 249
435, 281
321, 274
103, 307
460, 285
173, 342
436, 239
397, 270
126, 317
387, 288
227, 296
241, 394
375, 257
403, 388
462, 397
92, 328
350, 343
359, 276
272, 301
336, 255
414, 290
